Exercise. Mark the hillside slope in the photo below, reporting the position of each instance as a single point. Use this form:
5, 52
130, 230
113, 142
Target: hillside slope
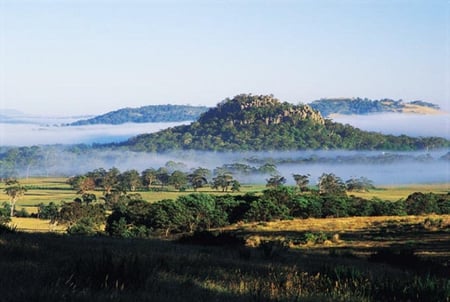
327, 107
147, 114
249, 122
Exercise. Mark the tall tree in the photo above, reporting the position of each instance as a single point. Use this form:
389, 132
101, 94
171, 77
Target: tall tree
199, 177
223, 181
130, 180
302, 181
82, 184
15, 191
275, 181
110, 180
178, 179
148, 177
331, 184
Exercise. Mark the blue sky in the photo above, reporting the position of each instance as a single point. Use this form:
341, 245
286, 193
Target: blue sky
71, 57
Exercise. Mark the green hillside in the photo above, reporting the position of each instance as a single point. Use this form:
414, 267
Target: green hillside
259, 122
147, 114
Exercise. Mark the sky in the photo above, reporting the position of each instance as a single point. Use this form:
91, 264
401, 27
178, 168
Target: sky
76, 57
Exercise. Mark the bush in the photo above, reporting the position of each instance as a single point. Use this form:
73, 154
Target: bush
335, 206
84, 226
314, 238
50, 211
265, 210
22, 213
420, 203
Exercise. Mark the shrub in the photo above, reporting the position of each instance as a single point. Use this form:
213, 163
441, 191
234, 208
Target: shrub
50, 211
420, 203
314, 238
84, 226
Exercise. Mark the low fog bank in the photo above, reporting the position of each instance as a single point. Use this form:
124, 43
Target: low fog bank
400, 123
380, 167
36, 134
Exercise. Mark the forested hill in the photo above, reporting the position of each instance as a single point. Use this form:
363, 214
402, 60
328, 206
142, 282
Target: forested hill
249, 122
365, 106
147, 114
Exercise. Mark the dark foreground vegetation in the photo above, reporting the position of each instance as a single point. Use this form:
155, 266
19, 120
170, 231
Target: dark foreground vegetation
48, 267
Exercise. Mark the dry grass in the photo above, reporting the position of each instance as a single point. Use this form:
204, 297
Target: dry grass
395, 192
36, 225
360, 235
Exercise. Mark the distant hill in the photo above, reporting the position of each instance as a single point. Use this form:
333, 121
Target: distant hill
328, 107
147, 114
249, 122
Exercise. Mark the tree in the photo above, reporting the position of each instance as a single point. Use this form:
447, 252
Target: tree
110, 180
168, 215
130, 180
302, 181
148, 177
331, 184
235, 186
201, 212
15, 191
162, 175
275, 181
361, 184
268, 168
82, 184
178, 179
222, 181
198, 178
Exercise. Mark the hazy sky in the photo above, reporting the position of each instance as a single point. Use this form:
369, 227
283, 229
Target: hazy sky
91, 56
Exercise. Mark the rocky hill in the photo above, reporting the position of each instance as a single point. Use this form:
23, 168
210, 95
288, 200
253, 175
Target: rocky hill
260, 122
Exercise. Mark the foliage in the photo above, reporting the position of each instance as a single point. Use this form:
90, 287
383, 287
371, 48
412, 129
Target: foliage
5, 213
50, 211
420, 203
275, 181
361, 184
82, 218
15, 191
223, 181
178, 179
302, 181
199, 178
331, 184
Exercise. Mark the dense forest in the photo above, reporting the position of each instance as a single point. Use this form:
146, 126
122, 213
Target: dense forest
366, 106
147, 114
249, 122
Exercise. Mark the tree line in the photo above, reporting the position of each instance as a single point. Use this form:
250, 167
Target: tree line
131, 216
125, 213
